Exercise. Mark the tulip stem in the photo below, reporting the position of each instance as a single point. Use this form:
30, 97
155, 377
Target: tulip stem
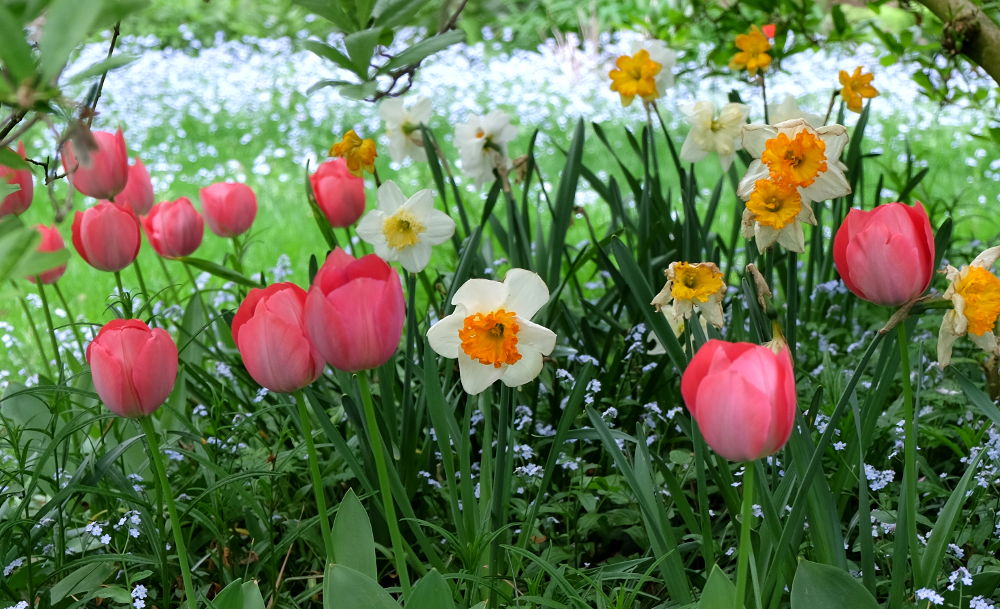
125, 302
34, 333
375, 439
152, 442
142, 283
72, 318
743, 560
51, 327
909, 498
317, 477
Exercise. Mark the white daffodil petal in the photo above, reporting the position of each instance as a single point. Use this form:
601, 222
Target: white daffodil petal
443, 336
756, 171
391, 110
765, 236
791, 237
421, 110
390, 197
415, 257
422, 202
526, 293
476, 377
524, 370
987, 342
438, 227
835, 138
711, 312
946, 338
482, 295
829, 184
370, 227
988, 258
536, 337
755, 136
726, 160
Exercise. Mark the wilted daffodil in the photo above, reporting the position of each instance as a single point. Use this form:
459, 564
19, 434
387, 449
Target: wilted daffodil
975, 293
699, 286
490, 331
635, 75
402, 125
856, 86
793, 165
710, 133
360, 154
405, 229
753, 55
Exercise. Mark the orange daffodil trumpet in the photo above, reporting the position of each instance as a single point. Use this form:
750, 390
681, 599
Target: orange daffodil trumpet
711, 132
793, 165
405, 229
360, 154
490, 331
647, 73
975, 293
699, 286
855, 87
753, 56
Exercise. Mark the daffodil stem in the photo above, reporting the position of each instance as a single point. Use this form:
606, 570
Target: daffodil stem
51, 327
389, 509
829, 109
909, 451
743, 560
317, 477
763, 92
152, 442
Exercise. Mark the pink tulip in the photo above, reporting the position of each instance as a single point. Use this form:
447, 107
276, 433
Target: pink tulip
742, 396
133, 367
19, 201
51, 241
354, 311
107, 236
103, 172
229, 208
138, 193
768, 30
339, 193
886, 255
174, 228
269, 330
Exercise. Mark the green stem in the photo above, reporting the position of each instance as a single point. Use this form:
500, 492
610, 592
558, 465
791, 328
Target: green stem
317, 477
51, 327
126, 302
34, 333
71, 317
745, 548
909, 451
175, 522
170, 279
194, 286
763, 92
375, 439
142, 284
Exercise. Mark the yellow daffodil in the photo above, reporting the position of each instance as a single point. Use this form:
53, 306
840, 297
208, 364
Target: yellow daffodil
774, 213
360, 154
856, 86
689, 287
491, 332
753, 55
635, 76
975, 293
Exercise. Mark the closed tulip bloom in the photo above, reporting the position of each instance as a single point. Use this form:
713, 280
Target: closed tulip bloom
134, 367
339, 193
17, 202
355, 311
742, 396
269, 330
103, 171
51, 241
886, 255
229, 208
138, 193
174, 228
107, 236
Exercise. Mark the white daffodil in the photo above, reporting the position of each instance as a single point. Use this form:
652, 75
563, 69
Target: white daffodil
788, 110
482, 144
402, 125
710, 133
975, 293
793, 165
405, 229
659, 53
490, 331
699, 286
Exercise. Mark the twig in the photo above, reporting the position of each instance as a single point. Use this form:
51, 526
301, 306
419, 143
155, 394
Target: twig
100, 85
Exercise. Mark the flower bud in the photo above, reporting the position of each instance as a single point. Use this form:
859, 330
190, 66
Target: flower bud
229, 208
107, 236
133, 367
339, 193
174, 228
103, 171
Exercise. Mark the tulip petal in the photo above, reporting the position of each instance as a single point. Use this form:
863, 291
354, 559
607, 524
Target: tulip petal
734, 416
154, 370
112, 382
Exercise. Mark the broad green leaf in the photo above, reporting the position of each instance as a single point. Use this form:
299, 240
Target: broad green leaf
85, 579
979, 399
9, 158
345, 588
192, 324
393, 13
67, 24
423, 49
15, 53
431, 592
231, 597
328, 52
328, 83
358, 91
220, 271
719, 592
818, 586
252, 598
360, 46
353, 542
331, 11
102, 67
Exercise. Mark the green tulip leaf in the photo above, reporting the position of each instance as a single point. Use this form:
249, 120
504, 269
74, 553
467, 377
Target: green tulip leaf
431, 592
353, 541
346, 588
818, 586
718, 592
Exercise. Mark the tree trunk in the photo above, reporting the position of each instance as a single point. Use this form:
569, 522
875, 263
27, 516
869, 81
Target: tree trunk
969, 31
